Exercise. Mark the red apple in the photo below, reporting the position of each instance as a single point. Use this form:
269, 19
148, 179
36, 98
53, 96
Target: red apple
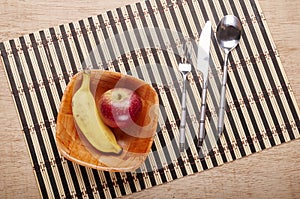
119, 107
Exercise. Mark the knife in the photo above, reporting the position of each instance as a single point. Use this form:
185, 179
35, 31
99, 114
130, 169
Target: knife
202, 66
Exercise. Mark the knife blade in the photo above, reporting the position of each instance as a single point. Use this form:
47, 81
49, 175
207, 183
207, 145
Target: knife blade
202, 66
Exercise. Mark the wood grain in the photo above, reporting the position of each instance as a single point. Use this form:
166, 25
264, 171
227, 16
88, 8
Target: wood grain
273, 173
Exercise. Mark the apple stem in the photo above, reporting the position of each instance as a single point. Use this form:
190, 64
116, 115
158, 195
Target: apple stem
119, 96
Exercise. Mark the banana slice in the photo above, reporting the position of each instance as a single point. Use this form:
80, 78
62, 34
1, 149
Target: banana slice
87, 118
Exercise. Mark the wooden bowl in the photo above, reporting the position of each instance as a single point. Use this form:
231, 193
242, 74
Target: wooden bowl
135, 140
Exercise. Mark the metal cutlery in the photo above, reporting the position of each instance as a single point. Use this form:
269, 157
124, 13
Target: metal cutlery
228, 35
185, 68
202, 66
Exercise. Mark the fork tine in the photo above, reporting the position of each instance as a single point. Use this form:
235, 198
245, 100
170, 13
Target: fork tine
187, 51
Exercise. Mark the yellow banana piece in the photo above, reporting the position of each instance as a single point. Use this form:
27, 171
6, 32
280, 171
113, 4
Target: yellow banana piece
88, 120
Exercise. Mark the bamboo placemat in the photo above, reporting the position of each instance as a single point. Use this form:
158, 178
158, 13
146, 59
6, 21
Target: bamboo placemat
142, 40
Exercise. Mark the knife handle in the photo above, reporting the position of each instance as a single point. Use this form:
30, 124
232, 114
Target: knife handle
202, 115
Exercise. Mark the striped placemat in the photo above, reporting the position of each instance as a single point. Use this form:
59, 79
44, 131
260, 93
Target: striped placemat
142, 40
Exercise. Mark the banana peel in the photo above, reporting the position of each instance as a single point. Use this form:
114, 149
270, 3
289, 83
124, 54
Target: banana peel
87, 118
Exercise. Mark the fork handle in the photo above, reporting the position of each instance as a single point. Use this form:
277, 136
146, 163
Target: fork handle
183, 117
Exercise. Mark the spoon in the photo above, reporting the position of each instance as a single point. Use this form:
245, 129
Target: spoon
228, 35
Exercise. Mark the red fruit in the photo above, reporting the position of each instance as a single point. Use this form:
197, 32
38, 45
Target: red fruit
119, 107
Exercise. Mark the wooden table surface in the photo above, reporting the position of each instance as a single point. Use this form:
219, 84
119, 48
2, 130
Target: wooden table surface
273, 173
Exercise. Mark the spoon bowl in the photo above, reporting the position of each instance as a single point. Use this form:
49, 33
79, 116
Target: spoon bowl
229, 31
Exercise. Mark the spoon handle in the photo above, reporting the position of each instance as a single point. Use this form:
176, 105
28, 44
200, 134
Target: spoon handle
222, 97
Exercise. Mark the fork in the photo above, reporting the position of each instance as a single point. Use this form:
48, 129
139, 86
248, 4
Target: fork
185, 69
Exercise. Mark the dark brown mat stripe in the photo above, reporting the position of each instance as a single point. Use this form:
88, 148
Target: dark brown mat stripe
144, 40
